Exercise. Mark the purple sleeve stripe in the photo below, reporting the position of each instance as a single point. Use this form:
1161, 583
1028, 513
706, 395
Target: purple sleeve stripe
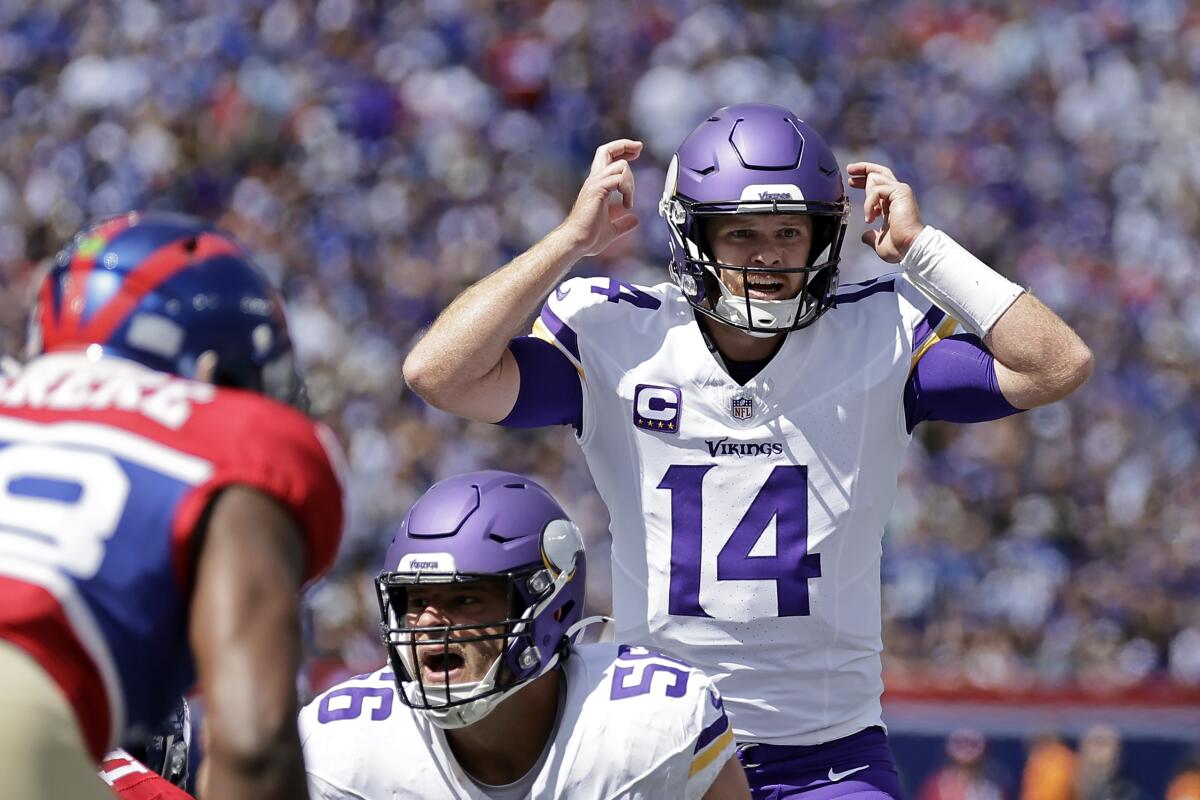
709, 734
561, 331
955, 382
927, 326
550, 393
875, 288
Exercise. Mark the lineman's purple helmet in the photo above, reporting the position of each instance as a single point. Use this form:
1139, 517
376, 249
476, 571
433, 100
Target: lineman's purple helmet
754, 158
483, 525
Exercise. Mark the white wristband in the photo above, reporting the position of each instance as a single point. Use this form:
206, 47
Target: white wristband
961, 285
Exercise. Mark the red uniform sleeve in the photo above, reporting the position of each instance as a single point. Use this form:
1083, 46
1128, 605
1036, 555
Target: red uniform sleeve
132, 780
279, 451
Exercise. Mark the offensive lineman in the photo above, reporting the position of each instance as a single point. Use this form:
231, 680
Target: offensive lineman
162, 504
481, 599
745, 423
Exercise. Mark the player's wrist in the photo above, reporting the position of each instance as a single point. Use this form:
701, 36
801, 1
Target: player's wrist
962, 285
907, 239
958, 282
568, 244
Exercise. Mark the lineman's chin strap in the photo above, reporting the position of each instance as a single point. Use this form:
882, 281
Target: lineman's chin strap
575, 630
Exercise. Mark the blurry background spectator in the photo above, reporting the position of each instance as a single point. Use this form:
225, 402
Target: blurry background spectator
967, 775
1098, 776
380, 156
1185, 785
1049, 772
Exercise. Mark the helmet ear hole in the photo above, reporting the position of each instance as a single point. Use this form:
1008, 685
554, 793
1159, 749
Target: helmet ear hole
562, 611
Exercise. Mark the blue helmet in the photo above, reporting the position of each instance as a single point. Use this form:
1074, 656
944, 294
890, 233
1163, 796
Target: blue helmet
163, 290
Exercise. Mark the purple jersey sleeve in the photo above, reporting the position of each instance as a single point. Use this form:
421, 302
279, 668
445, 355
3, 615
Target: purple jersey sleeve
550, 393
955, 381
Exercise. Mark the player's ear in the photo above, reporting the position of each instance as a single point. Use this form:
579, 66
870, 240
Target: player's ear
206, 367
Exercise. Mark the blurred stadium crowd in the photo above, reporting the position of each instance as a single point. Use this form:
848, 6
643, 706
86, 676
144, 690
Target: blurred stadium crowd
379, 156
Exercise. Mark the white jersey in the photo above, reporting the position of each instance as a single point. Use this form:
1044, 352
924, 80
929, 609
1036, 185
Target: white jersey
634, 724
747, 520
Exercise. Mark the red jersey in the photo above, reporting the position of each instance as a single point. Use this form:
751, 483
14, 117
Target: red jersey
106, 467
133, 780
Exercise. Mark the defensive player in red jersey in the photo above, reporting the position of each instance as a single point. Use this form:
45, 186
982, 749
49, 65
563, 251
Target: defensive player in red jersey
162, 501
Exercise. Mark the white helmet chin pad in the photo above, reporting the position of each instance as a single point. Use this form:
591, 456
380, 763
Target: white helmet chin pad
435, 701
451, 705
449, 717
765, 316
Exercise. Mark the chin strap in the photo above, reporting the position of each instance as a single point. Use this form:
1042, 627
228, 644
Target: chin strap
769, 317
573, 632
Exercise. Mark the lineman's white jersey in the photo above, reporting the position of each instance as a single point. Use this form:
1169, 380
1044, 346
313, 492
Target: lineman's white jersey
747, 520
634, 724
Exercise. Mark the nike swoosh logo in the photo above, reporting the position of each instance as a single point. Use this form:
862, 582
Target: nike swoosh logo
834, 777
561, 293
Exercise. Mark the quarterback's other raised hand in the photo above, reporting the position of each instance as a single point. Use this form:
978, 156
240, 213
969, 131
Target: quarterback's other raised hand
895, 202
594, 223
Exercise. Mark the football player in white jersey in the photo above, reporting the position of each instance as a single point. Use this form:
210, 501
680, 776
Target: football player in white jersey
481, 599
745, 422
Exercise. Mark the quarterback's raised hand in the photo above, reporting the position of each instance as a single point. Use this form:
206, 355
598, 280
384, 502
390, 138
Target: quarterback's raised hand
594, 223
463, 364
892, 200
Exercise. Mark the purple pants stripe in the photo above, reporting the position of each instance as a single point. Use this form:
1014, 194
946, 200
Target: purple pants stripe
857, 767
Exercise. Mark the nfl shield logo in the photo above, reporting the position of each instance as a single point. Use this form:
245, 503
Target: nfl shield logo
741, 407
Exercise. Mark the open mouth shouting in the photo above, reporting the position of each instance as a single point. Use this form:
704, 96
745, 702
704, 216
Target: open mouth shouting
761, 286
440, 665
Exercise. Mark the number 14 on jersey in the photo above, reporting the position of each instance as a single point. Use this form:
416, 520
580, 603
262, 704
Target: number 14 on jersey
783, 497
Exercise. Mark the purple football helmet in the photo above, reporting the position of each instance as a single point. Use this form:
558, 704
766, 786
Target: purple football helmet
754, 158
479, 526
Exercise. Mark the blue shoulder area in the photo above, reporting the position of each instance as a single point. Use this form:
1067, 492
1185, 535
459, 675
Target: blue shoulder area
853, 292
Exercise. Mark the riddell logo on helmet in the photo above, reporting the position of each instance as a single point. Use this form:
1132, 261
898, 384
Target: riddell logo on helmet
774, 196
